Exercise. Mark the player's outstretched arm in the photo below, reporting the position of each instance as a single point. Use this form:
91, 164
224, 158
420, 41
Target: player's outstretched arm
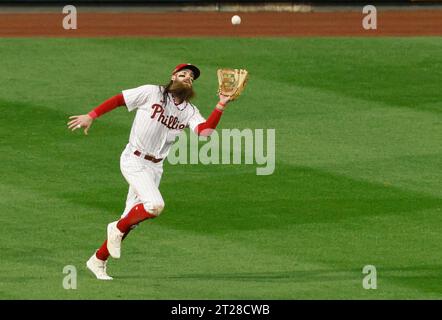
85, 120
206, 128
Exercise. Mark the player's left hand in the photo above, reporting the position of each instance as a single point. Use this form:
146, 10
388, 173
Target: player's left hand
81, 121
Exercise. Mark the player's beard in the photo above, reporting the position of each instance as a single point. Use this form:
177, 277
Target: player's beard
180, 90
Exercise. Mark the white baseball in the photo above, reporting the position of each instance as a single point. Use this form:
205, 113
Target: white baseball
79, 126
236, 19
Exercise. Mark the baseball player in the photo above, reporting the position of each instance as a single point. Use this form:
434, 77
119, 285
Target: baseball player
162, 112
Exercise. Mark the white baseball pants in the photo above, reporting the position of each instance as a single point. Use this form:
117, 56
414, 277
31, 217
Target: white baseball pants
144, 178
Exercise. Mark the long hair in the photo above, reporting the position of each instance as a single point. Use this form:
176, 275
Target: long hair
165, 90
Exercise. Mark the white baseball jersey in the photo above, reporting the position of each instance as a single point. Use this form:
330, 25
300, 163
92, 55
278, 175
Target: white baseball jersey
157, 124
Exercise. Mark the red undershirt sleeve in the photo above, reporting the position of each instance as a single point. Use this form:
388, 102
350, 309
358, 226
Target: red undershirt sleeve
107, 106
205, 129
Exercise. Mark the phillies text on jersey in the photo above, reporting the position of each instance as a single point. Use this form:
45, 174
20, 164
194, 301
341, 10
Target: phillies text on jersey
158, 123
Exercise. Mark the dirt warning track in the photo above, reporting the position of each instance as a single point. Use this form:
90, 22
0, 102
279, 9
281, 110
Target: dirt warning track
190, 24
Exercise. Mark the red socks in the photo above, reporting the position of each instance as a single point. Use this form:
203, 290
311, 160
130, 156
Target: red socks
103, 253
135, 216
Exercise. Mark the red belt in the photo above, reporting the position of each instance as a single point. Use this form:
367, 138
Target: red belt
147, 157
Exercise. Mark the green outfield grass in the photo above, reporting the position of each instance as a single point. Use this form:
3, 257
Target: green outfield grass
358, 177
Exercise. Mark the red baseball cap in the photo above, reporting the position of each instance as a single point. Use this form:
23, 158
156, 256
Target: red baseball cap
195, 70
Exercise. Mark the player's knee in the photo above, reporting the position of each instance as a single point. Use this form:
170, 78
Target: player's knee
158, 209
154, 208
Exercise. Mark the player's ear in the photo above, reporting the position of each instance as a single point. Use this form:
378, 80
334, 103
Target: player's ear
173, 77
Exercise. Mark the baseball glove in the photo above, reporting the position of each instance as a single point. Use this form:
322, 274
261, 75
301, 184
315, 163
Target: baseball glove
231, 82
